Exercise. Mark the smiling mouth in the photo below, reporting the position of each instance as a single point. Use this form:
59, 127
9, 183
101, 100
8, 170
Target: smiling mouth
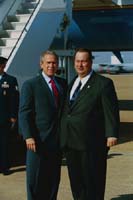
80, 69
50, 70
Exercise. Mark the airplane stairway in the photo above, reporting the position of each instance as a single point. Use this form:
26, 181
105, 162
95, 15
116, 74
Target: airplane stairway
13, 26
30, 31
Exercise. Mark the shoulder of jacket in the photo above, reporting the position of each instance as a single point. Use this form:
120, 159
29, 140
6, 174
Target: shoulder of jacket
60, 78
30, 81
10, 76
62, 81
103, 78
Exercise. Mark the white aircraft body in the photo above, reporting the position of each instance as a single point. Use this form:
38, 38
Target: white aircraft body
113, 69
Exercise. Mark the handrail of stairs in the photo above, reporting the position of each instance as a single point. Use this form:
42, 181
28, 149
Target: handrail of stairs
9, 10
24, 29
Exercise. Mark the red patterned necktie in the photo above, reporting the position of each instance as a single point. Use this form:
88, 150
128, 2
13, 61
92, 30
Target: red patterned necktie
55, 91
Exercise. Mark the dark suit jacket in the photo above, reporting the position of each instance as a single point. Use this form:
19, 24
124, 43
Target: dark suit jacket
9, 98
92, 118
38, 114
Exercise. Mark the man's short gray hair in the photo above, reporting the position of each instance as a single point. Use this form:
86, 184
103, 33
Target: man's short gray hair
48, 52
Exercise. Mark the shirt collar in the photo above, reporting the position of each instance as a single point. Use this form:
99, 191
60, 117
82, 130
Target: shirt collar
85, 79
1, 75
47, 78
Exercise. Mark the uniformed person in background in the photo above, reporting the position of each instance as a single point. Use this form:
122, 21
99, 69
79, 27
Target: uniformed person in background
9, 100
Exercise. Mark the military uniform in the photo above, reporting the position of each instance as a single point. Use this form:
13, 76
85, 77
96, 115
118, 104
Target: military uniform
9, 100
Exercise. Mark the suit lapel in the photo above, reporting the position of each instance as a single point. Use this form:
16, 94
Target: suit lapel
59, 86
45, 87
69, 90
88, 86
61, 90
4, 76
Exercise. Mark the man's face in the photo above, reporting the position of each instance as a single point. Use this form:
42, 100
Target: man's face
83, 63
2, 66
49, 65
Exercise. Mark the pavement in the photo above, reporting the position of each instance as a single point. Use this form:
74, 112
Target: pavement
119, 184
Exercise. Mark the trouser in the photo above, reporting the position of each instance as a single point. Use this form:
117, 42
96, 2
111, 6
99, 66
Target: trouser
4, 145
87, 174
43, 175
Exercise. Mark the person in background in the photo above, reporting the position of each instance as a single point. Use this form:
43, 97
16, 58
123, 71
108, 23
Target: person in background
89, 126
9, 102
40, 103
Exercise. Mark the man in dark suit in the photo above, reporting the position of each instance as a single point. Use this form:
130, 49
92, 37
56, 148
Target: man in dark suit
9, 99
89, 125
40, 102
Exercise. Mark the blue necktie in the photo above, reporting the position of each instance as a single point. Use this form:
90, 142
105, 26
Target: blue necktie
76, 92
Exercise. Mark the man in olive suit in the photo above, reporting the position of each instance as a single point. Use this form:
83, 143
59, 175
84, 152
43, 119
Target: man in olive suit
89, 125
9, 100
40, 102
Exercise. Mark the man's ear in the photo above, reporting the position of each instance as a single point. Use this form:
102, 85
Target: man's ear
41, 62
3, 65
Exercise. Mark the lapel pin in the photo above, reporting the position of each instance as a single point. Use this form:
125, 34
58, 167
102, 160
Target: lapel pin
88, 86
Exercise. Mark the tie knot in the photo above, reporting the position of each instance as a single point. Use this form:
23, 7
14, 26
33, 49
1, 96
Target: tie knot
79, 85
51, 80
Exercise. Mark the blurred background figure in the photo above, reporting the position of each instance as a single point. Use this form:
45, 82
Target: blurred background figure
9, 101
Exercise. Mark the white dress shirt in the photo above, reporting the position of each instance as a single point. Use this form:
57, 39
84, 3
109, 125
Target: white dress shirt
76, 82
0, 77
47, 79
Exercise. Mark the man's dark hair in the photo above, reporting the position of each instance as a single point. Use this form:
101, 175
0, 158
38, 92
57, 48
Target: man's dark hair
3, 60
84, 50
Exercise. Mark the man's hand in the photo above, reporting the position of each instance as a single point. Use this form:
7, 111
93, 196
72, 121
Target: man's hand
13, 123
111, 141
13, 120
30, 144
